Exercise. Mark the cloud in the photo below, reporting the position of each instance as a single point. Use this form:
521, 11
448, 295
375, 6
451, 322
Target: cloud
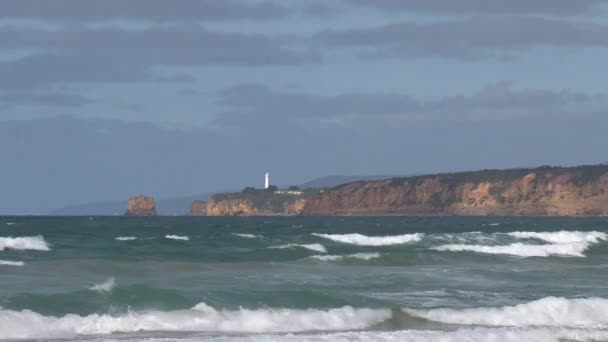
112, 54
152, 10
59, 99
553, 7
474, 37
254, 104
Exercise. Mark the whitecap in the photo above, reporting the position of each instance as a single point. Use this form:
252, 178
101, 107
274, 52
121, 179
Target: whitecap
24, 243
106, 286
317, 247
248, 236
548, 311
362, 256
521, 249
125, 238
177, 237
364, 240
11, 263
11, 223
562, 236
27, 324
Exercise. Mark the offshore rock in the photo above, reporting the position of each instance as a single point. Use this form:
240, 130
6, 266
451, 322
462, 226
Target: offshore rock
141, 206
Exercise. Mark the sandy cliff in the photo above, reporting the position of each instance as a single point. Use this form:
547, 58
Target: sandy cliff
141, 206
542, 191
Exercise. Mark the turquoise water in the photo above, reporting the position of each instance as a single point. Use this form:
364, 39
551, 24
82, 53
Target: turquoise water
304, 278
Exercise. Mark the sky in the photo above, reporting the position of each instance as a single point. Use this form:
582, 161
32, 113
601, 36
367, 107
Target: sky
105, 99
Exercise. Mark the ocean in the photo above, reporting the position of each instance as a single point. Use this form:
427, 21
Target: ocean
303, 279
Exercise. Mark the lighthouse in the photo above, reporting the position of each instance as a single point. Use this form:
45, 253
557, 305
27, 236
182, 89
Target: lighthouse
266, 179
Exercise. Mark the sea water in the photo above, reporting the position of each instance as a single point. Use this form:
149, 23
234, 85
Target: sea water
304, 279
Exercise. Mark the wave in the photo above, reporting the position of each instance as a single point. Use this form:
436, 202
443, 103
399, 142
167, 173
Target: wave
177, 237
201, 318
24, 243
106, 286
415, 335
548, 311
563, 236
248, 236
362, 256
11, 223
11, 263
125, 238
364, 240
521, 249
317, 247
561, 243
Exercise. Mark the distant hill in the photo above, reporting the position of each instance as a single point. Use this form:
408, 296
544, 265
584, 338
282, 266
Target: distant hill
332, 181
169, 206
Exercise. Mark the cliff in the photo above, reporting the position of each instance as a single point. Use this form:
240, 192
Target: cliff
544, 191
250, 202
141, 206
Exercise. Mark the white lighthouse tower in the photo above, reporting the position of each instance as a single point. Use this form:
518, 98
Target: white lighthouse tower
266, 180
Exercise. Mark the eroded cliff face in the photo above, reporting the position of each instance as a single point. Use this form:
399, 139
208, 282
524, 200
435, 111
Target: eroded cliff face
141, 206
228, 207
542, 191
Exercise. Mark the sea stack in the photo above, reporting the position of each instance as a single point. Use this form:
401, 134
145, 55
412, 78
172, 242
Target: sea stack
141, 206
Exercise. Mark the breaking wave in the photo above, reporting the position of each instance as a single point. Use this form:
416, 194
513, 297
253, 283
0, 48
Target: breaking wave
364, 240
563, 236
177, 237
201, 318
545, 312
362, 256
561, 243
11, 263
125, 238
317, 247
248, 236
106, 286
521, 249
24, 243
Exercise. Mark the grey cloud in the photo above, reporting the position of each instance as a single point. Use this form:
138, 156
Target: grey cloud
250, 104
469, 38
17, 98
153, 10
79, 54
553, 7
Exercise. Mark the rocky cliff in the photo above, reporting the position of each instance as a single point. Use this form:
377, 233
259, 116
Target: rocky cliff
141, 206
543, 191
554, 191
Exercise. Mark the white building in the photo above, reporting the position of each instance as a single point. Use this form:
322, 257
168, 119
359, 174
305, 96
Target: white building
267, 180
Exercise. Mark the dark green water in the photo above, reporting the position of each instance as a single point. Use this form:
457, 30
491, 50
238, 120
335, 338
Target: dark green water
301, 278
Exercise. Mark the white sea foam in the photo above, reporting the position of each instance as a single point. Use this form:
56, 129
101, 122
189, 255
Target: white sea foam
364, 240
561, 243
201, 318
413, 335
563, 236
317, 247
11, 263
177, 237
24, 243
362, 256
548, 311
248, 236
574, 249
125, 238
106, 286
11, 223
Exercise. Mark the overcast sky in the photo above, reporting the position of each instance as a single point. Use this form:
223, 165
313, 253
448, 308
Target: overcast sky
104, 99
